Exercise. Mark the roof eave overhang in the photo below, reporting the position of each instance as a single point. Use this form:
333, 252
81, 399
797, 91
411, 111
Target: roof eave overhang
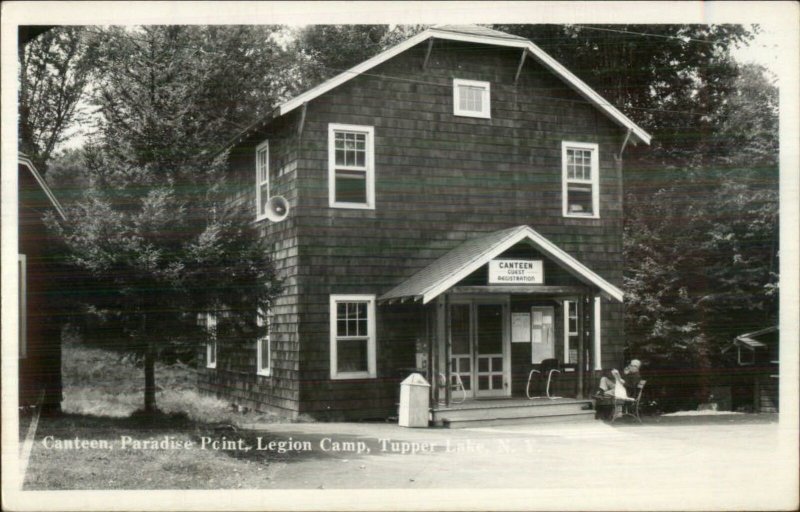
639, 135
25, 161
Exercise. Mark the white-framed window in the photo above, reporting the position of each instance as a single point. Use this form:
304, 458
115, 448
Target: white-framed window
570, 332
264, 345
352, 327
22, 274
471, 98
351, 166
580, 179
262, 179
746, 356
208, 321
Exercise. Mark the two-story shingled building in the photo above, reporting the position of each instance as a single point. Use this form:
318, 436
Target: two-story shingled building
455, 207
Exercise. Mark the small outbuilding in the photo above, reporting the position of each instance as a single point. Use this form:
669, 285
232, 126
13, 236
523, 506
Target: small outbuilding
758, 364
40, 272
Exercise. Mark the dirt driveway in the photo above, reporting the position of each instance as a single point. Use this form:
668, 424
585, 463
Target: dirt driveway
729, 462
682, 459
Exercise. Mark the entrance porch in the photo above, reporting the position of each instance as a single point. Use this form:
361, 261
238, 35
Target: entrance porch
510, 330
524, 343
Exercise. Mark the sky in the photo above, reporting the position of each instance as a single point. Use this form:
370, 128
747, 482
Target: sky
764, 50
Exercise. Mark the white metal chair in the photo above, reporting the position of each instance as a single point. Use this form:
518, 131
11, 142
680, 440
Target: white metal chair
548, 367
456, 385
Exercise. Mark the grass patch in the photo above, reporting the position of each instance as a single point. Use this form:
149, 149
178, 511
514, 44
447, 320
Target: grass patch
103, 395
114, 466
104, 383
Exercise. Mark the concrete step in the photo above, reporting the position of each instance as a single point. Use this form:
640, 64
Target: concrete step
511, 410
573, 417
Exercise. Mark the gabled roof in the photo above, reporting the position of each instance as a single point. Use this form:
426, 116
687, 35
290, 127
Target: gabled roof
465, 33
761, 338
468, 257
751, 338
477, 30
26, 162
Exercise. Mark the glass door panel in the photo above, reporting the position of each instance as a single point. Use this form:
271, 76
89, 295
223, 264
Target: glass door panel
461, 344
542, 339
489, 321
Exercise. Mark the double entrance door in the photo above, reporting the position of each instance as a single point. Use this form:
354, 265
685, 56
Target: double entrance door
479, 351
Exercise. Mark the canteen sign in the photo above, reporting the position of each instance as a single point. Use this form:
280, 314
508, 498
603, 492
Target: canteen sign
516, 272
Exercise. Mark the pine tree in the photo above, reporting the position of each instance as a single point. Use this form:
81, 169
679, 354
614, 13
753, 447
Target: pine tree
155, 236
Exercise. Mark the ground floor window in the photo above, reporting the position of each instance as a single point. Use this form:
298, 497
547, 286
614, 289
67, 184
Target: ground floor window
208, 321
352, 325
264, 345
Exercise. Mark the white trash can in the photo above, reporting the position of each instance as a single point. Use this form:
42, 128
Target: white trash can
414, 401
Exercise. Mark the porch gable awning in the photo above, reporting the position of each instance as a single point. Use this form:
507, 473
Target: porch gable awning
447, 271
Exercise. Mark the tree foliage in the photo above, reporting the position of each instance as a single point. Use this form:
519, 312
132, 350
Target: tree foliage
54, 72
327, 50
701, 251
700, 234
155, 235
670, 79
700, 269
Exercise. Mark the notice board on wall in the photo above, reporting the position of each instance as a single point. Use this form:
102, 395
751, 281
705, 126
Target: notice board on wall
520, 327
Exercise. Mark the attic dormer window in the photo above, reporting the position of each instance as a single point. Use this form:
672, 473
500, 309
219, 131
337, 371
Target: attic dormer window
471, 98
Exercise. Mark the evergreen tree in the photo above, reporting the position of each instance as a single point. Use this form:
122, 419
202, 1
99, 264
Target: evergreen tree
701, 205
156, 238
701, 251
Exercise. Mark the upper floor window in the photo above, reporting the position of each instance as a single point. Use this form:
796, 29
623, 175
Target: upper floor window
580, 179
264, 345
352, 327
208, 321
262, 179
471, 98
351, 166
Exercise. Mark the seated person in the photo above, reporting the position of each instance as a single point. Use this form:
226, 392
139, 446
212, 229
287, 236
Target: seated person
612, 386
609, 389
632, 377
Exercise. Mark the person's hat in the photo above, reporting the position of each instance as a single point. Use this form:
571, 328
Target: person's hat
636, 363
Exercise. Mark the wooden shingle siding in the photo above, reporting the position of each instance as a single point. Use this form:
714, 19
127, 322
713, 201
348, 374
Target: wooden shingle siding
235, 377
440, 180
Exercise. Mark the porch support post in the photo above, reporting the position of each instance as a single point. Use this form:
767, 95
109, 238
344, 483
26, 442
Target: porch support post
590, 342
430, 332
581, 344
447, 351
441, 340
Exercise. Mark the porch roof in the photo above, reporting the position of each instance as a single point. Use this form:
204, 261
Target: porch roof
460, 262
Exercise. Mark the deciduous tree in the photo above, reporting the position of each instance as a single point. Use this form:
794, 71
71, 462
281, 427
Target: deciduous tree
54, 71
